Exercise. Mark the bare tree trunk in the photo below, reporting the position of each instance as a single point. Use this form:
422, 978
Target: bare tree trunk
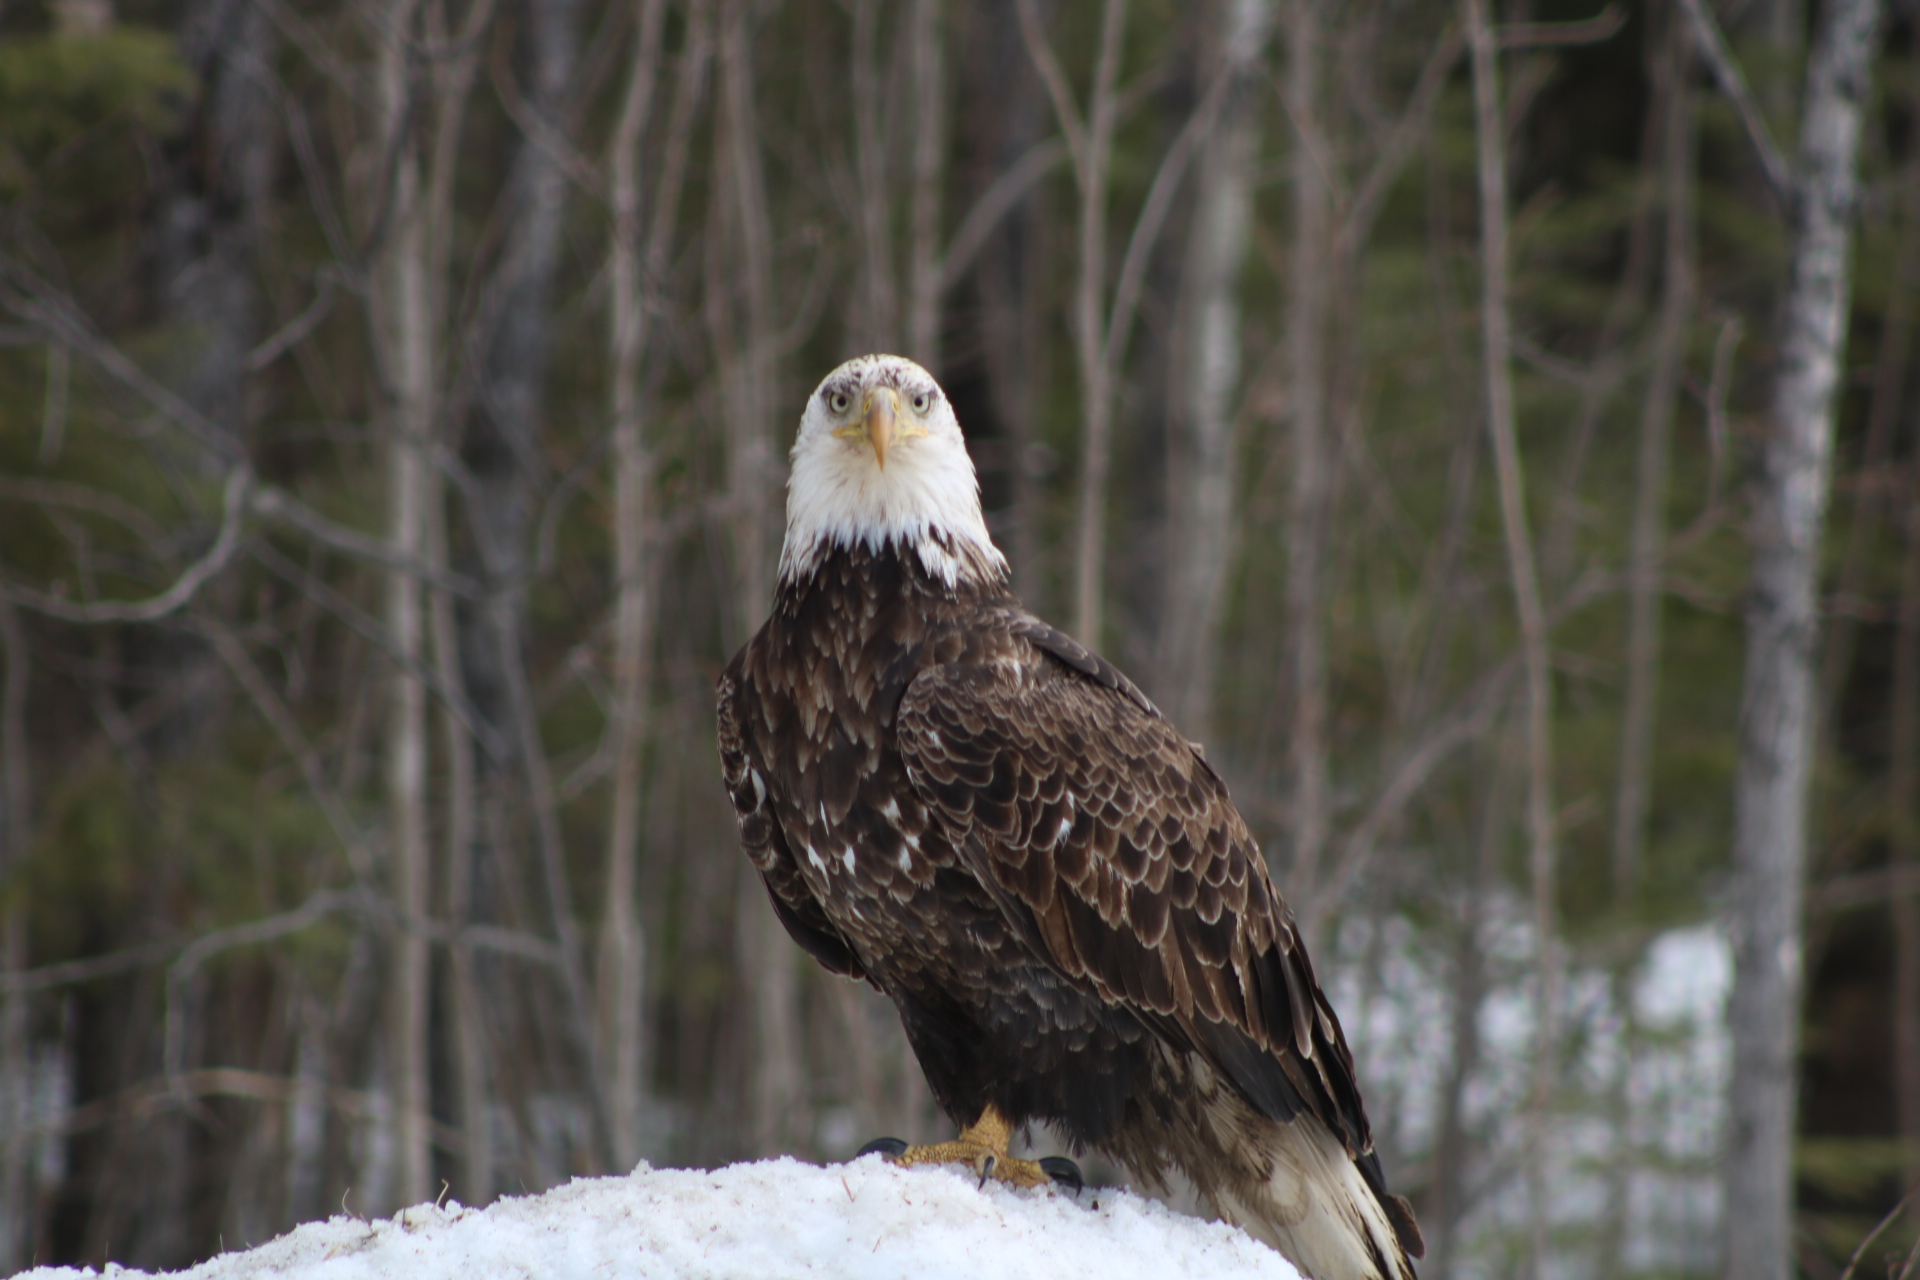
766, 959
1542, 863
879, 316
1091, 145
1648, 549
1203, 451
1776, 713
620, 981
467, 1015
1307, 317
403, 330
1903, 801
923, 213
1869, 499
1452, 1156
17, 1217
1006, 120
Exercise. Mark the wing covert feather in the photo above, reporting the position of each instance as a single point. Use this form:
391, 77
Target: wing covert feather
765, 843
1112, 843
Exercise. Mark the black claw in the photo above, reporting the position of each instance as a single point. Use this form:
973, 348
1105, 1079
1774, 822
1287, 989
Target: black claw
1063, 1171
986, 1168
889, 1147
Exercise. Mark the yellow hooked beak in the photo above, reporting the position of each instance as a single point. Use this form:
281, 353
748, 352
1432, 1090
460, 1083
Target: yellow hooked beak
881, 414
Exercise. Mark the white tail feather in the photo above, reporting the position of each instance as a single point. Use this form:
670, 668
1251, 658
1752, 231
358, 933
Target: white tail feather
1317, 1209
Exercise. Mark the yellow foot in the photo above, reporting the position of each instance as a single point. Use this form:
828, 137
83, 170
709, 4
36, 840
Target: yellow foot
982, 1147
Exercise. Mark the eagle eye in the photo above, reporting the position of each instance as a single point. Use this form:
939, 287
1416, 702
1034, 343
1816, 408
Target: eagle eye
922, 402
838, 401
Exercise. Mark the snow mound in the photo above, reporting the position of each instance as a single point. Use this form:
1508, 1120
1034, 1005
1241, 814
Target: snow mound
860, 1221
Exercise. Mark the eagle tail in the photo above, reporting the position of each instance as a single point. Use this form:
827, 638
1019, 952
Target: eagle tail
1320, 1208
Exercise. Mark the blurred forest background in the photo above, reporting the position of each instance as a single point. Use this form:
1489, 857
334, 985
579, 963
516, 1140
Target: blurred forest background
393, 403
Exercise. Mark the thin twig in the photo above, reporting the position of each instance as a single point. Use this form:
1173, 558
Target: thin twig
1874, 1234
168, 601
279, 505
1560, 35
1713, 45
998, 200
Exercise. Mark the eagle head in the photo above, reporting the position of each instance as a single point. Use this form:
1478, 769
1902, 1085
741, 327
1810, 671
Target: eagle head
880, 460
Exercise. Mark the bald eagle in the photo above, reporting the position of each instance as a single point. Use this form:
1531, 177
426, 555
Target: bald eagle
987, 821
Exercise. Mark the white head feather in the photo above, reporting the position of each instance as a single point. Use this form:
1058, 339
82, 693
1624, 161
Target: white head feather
916, 490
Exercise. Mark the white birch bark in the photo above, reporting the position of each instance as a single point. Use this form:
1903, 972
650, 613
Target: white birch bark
1496, 344
1767, 893
1203, 499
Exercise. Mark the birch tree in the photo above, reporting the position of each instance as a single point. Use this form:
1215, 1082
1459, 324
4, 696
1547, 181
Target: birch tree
1789, 499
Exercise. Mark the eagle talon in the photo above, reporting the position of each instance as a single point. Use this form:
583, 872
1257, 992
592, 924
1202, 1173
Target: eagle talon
891, 1148
1064, 1172
986, 1168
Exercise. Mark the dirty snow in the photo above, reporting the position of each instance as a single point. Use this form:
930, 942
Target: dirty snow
776, 1218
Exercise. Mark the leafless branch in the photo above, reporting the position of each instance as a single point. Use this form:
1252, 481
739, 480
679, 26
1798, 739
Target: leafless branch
1055, 78
371, 630
580, 170
995, 203
239, 480
277, 504
1545, 35
296, 329
1713, 45
1407, 132
276, 713
79, 497
25, 293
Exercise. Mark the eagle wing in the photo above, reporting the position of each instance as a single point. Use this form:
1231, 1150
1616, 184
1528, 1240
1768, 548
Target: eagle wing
766, 845
1114, 847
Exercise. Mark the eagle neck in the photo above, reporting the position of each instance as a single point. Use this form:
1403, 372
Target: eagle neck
885, 575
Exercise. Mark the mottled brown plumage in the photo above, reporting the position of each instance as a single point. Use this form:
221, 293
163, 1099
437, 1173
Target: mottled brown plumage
967, 808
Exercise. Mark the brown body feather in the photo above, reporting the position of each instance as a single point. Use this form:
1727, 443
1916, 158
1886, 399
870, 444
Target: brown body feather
992, 825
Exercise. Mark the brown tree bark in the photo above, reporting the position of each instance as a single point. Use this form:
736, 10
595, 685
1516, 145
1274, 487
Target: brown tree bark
1776, 713
1308, 316
1903, 803
404, 336
18, 1221
926, 55
1204, 444
470, 1049
1542, 861
1090, 143
877, 323
741, 326
620, 981
1648, 535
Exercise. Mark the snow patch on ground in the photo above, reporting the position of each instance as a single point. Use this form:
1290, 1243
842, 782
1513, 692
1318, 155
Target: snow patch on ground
777, 1218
